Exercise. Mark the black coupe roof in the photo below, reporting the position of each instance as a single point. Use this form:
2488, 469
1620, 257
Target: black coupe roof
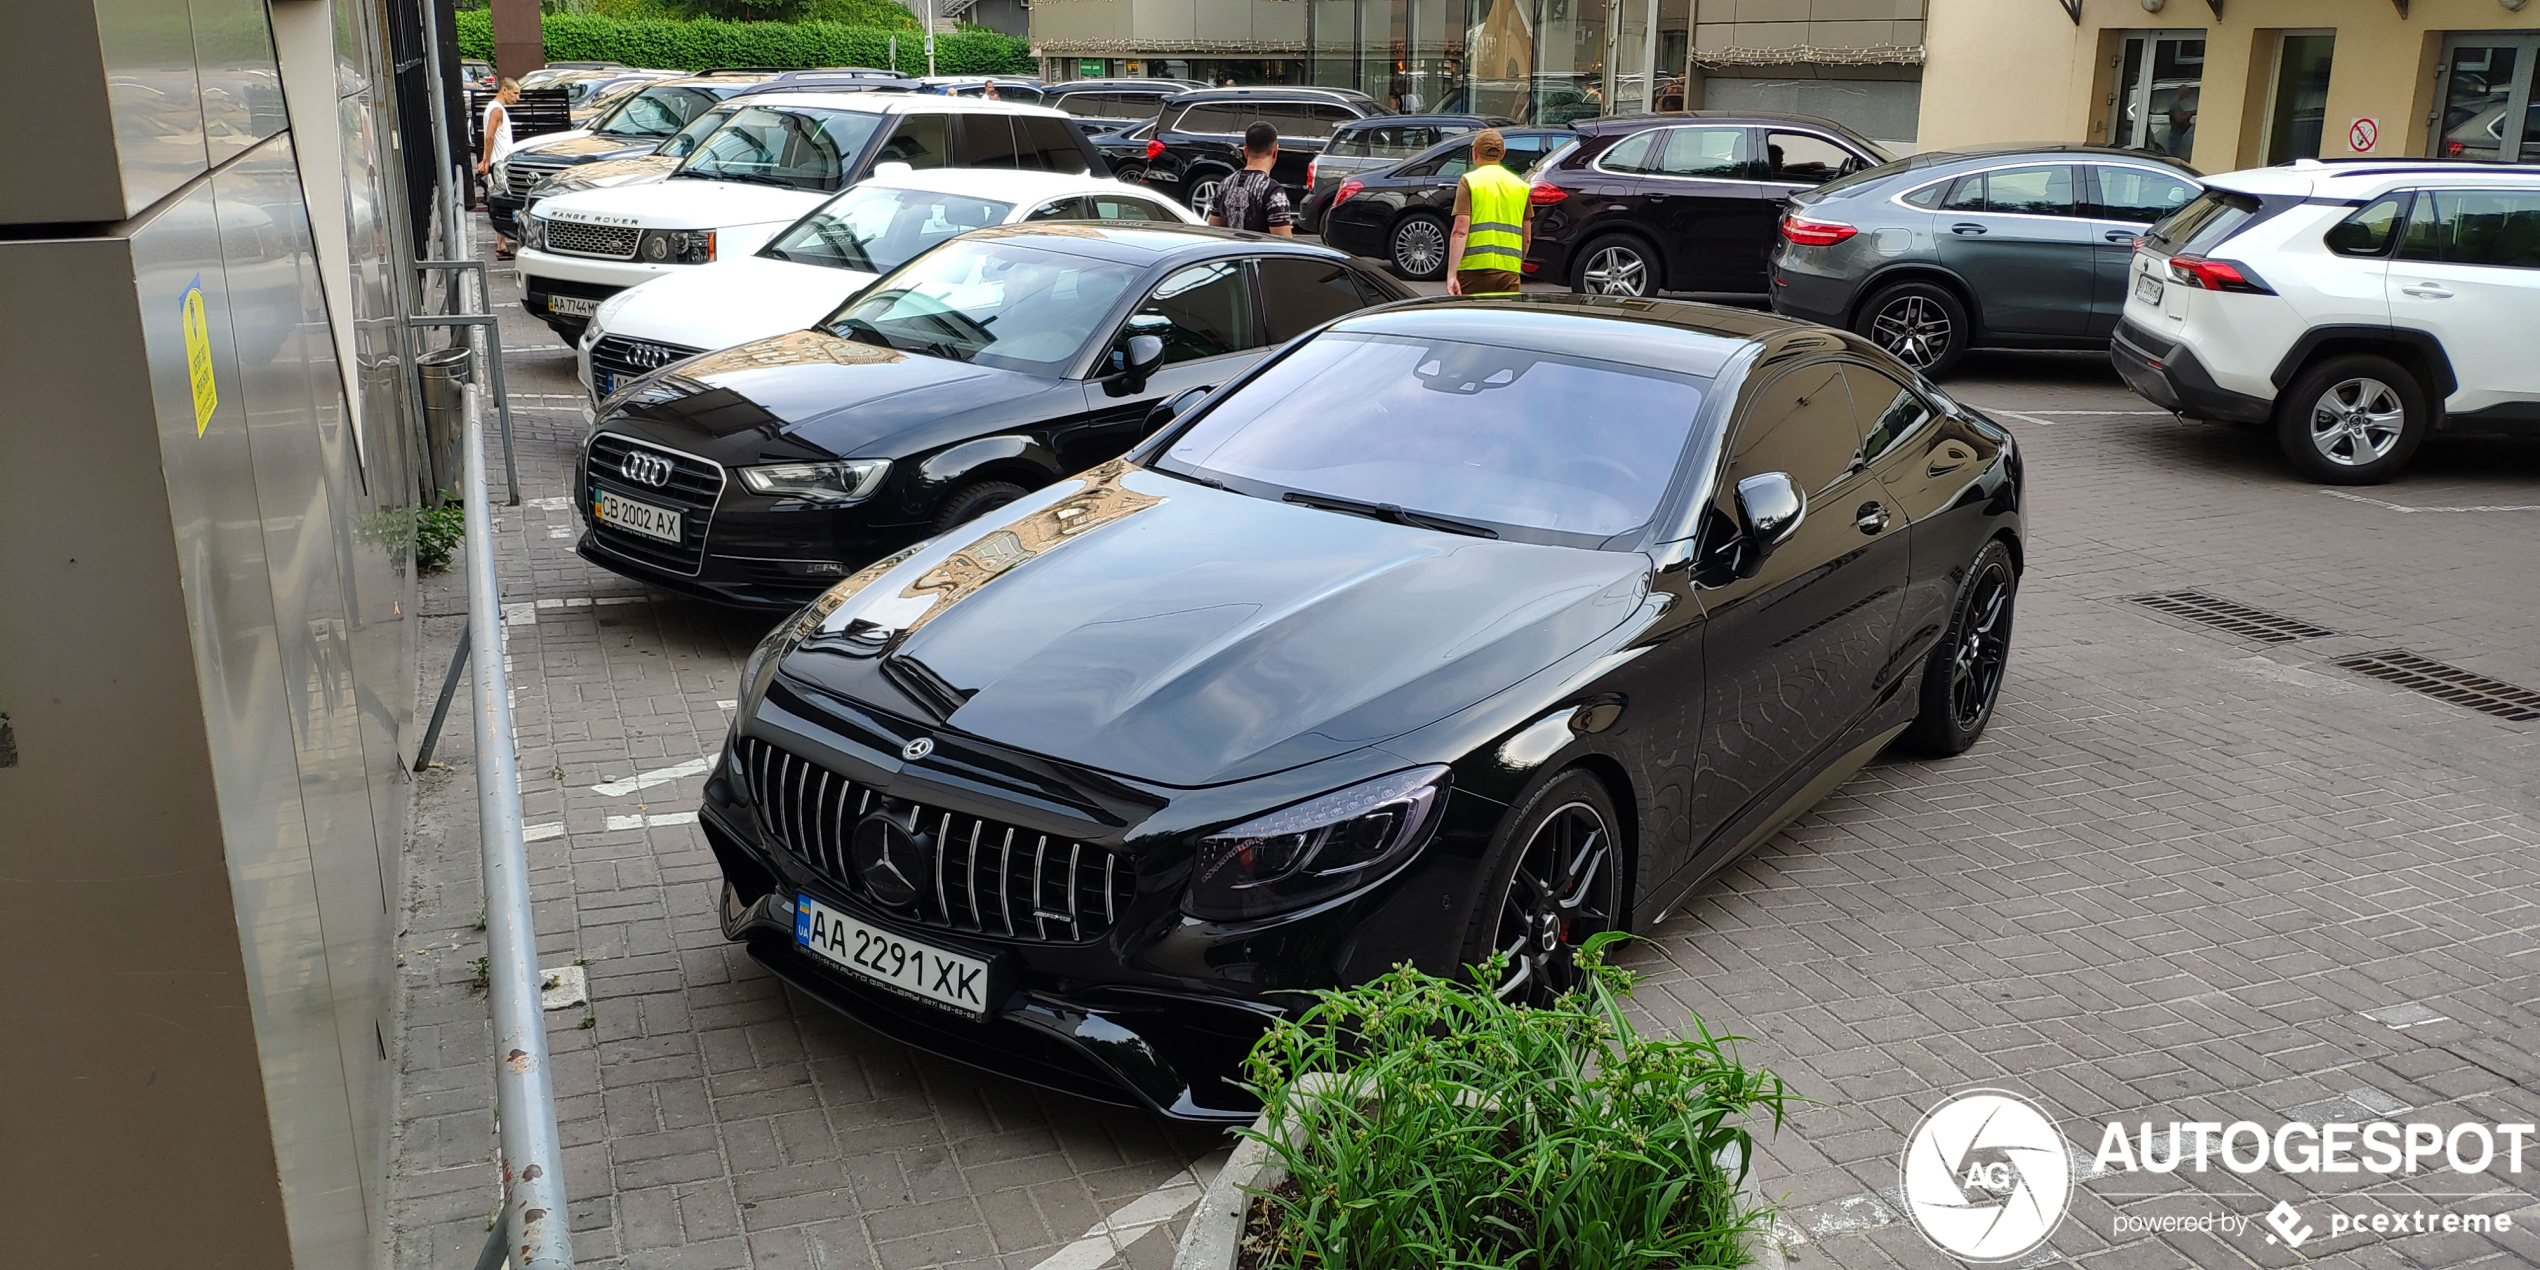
1151, 242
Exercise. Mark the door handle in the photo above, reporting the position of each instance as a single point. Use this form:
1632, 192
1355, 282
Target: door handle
1966, 227
1871, 518
2426, 291
2126, 236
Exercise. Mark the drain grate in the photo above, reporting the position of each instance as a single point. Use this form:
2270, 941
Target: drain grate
2239, 619
2449, 683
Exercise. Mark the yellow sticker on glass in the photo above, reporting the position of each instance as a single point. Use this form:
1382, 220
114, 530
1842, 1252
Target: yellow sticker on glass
198, 355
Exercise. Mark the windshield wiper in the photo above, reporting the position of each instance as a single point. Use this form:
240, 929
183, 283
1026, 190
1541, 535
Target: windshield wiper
1389, 512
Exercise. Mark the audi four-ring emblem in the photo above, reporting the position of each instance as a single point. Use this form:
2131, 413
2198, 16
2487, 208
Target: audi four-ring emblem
645, 468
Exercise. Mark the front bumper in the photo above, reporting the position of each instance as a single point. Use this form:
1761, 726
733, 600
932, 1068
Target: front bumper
2169, 376
750, 582
1155, 1010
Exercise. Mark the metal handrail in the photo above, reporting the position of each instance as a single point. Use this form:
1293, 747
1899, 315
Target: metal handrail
493, 352
533, 1231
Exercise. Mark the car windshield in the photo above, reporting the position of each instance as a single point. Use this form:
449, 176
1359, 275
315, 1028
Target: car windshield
698, 129
656, 112
878, 228
1526, 444
997, 304
798, 149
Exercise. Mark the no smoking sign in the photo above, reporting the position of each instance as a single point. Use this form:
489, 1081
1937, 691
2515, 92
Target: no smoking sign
2363, 135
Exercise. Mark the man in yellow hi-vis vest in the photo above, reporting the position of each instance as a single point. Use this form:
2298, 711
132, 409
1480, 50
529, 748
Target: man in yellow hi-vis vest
1486, 254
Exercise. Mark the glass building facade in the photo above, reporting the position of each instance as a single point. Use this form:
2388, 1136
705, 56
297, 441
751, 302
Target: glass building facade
1536, 61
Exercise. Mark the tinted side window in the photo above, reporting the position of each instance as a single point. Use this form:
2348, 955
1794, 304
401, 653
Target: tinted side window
1635, 153
1888, 411
2367, 232
920, 141
1801, 423
1706, 152
1966, 194
1297, 295
2475, 227
1202, 311
987, 141
2045, 190
2140, 195
1124, 207
1929, 195
1047, 145
1803, 158
1071, 207
1211, 118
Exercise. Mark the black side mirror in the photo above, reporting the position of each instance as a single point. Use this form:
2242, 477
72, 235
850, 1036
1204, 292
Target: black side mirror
1171, 408
1769, 509
1137, 364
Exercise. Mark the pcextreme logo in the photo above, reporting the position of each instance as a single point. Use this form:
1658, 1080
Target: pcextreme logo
1987, 1176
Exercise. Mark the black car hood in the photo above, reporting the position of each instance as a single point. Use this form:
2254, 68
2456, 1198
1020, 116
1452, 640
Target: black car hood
1160, 630
833, 394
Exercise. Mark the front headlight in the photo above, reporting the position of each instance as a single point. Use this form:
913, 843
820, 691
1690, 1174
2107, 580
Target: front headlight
676, 247
533, 232
850, 481
1316, 849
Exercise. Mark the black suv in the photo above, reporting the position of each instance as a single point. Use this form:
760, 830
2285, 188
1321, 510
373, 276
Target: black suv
1684, 202
1199, 136
1118, 102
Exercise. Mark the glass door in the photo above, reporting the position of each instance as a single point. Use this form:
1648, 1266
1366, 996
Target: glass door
2300, 107
2487, 109
2158, 87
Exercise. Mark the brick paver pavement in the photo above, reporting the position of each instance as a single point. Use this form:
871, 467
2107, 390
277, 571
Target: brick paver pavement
2175, 881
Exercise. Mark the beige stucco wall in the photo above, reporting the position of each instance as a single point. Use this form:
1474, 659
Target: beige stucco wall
1779, 24
2020, 70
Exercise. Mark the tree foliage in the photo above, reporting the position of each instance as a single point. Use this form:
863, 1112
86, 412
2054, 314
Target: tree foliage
707, 42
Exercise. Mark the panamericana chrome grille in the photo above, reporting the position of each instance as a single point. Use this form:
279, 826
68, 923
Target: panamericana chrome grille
620, 358
692, 488
989, 878
578, 238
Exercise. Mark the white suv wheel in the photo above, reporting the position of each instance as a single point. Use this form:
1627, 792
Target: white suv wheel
2357, 421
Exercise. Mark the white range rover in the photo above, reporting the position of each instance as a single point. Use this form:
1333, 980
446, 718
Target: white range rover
774, 160
2356, 307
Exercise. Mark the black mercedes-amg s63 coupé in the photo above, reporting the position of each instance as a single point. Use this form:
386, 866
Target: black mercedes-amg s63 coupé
1453, 627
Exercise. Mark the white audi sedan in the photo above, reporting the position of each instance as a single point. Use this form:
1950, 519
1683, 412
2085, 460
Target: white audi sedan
811, 267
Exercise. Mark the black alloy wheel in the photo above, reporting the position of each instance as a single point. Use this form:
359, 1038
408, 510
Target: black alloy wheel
975, 500
1563, 885
1918, 324
1963, 679
1418, 248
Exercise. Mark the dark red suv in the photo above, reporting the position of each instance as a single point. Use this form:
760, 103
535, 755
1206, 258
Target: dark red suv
1680, 202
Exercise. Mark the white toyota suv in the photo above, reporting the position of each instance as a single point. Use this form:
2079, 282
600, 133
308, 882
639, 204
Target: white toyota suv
2356, 307
774, 160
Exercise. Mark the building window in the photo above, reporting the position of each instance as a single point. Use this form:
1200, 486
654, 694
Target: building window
2300, 109
2161, 77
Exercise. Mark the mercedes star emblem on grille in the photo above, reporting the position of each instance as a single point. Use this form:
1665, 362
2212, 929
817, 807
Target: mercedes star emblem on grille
645, 468
917, 749
892, 857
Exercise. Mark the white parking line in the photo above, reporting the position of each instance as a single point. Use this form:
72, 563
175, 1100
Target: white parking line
2396, 507
1106, 1240
658, 776
654, 821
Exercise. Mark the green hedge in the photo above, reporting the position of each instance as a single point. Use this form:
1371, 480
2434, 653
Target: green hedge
704, 43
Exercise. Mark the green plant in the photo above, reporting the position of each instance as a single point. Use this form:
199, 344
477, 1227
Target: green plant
483, 980
678, 44
437, 534
1424, 1122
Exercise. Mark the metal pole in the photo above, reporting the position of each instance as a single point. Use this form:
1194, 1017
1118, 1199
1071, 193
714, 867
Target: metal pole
450, 200
441, 708
930, 38
532, 1159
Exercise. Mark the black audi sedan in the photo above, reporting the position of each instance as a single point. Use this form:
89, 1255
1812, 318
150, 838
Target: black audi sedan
975, 373
1401, 213
1685, 202
1458, 627
2009, 247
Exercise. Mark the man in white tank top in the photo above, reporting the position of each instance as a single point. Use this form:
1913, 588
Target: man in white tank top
498, 142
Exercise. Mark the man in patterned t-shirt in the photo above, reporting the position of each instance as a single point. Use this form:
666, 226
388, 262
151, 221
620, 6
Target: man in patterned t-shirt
1253, 199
